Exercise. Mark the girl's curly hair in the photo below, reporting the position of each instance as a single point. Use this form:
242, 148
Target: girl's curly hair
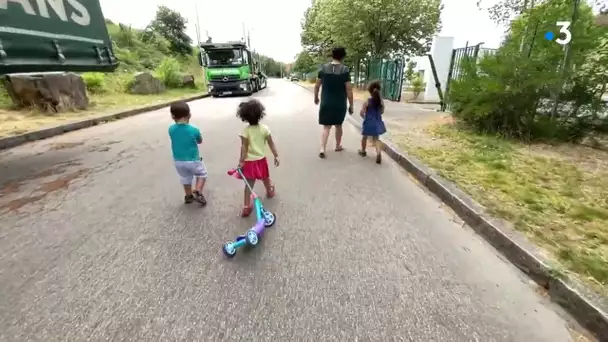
251, 111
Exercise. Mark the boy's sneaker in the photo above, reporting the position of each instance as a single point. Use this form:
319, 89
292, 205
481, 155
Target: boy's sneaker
197, 196
188, 199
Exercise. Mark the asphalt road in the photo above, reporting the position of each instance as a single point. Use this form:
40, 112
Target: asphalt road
96, 244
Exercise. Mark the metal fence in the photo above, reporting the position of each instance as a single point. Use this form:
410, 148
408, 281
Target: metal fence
456, 70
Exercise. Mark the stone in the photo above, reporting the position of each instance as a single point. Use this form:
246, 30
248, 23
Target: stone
144, 83
48, 92
188, 81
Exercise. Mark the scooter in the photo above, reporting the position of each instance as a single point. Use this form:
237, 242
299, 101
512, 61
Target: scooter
264, 220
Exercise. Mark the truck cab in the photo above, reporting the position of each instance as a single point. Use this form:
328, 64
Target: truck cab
230, 69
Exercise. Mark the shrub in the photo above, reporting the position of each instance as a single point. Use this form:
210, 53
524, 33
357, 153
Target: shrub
95, 82
417, 86
169, 73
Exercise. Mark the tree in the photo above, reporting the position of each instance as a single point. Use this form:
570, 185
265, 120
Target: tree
304, 63
409, 71
513, 93
503, 11
172, 26
366, 27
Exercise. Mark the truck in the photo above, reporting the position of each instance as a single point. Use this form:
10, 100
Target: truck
57, 35
230, 68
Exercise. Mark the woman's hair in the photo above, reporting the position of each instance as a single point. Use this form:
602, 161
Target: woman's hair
180, 110
374, 90
251, 111
338, 53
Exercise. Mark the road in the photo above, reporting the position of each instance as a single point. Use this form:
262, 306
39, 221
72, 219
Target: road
96, 244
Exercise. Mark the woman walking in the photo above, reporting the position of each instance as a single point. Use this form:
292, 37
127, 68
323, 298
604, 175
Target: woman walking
334, 82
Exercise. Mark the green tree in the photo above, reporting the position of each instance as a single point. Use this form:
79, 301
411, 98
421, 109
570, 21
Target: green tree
366, 27
409, 71
304, 63
172, 26
513, 93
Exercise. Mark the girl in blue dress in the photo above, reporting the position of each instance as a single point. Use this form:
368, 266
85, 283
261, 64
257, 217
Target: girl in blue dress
373, 126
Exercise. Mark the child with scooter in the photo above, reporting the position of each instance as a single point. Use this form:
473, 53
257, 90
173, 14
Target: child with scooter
252, 163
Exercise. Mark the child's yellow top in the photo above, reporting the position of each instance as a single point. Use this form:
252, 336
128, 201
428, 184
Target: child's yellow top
256, 136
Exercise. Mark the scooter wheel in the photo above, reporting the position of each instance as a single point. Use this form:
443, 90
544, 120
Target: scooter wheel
252, 238
229, 250
269, 218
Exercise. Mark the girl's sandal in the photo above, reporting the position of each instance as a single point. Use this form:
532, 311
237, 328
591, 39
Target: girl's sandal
246, 211
270, 193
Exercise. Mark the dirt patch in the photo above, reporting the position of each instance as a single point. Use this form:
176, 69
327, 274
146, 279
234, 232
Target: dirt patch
113, 142
45, 189
63, 146
10, 188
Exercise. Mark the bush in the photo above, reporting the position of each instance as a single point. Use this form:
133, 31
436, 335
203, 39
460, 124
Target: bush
512, 93
417, 86
95, 82
169, 73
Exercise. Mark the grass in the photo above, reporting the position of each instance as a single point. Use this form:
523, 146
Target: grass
558, 200
14, 122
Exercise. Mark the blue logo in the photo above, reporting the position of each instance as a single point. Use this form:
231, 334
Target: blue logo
549, 36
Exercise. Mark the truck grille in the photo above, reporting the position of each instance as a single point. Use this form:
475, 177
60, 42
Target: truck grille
220, 78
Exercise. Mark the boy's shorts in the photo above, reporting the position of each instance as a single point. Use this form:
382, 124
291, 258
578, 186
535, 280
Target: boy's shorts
188, 170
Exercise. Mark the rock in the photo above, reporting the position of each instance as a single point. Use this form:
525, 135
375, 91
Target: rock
144, 83
188, 81
49, 92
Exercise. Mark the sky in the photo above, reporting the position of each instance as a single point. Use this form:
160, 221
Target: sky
274, 25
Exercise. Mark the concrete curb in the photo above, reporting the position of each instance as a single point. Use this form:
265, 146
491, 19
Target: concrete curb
9, 142
588, 308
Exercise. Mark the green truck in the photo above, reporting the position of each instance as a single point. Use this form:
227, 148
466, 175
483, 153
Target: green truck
58, 35
231, 69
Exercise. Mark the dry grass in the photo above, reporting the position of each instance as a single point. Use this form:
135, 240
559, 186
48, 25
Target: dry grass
556, 195
14, 122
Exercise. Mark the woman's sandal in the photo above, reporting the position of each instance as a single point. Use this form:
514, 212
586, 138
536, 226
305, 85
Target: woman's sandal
322, 155
362, 153
379, 159
339, 149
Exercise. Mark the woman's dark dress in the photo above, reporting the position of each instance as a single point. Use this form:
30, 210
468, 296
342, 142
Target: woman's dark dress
332, 110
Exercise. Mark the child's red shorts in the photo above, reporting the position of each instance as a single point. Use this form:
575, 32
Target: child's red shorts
256, 169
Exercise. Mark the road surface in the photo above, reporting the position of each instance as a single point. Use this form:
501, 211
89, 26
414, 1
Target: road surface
96, 244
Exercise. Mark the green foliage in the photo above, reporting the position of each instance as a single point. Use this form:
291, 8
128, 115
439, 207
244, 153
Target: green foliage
409, 71
95, 82
417, 85
362, 27
304, 63
512, 92
169, 73
171, 25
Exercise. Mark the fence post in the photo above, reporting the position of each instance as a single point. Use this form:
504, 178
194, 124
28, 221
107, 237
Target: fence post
437, 83
449, 81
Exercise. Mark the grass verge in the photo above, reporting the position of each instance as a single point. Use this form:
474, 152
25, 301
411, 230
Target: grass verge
556, 195
14, 122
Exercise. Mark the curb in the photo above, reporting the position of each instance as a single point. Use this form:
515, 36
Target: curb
9, 142
588, 308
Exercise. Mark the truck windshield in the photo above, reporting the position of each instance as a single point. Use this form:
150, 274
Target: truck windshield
228, 57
